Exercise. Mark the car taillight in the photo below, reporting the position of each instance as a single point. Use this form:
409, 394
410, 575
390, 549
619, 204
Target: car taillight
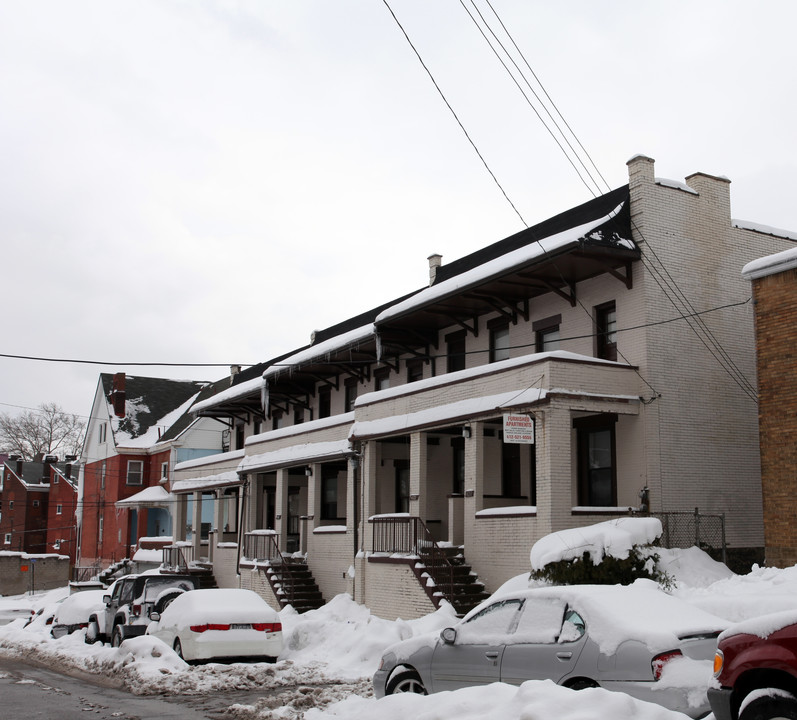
267, 627
208, 626
719, 662
136, 610
658, 662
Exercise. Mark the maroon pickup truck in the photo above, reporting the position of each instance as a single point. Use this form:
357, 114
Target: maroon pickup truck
756, 670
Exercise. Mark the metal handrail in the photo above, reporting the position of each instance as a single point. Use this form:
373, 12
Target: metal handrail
178, 557
265, 547
410, 535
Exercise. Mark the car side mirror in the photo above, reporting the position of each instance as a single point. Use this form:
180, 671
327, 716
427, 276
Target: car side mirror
154, 616
448, 636
106, 599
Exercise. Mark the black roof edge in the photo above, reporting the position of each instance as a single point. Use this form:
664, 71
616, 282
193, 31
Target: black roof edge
588, 211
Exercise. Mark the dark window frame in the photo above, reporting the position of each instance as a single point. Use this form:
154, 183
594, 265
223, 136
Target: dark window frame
496, 327
414, 370
324, 402
606, 331
543, 327
381, 375
586, 429
456, 349
350, 391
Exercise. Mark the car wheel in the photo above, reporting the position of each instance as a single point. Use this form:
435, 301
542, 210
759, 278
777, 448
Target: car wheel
166, 599
116, 638
771, 707
178, 648
407, 681
92, 632
582, 684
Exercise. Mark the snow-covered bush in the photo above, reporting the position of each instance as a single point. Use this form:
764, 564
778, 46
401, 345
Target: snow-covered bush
608, 553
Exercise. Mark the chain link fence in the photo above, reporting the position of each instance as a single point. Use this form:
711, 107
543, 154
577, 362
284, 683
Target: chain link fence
685, 529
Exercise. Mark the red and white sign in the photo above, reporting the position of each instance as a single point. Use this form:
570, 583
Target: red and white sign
518, 429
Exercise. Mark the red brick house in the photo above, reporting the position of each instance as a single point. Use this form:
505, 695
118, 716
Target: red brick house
774, 281
25, 495
138, 430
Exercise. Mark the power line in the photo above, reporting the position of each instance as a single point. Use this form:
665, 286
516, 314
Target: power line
456, 117
117, 364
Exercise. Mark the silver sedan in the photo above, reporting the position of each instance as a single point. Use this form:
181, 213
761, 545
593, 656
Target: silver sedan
635, 639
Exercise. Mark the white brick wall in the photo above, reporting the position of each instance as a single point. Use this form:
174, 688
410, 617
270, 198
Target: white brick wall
391, 590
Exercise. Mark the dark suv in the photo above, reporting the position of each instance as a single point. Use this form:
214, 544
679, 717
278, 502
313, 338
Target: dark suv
129, 603
756, 668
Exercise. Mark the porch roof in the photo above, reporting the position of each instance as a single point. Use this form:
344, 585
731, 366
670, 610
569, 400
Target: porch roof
195, 484
463, 410
148, 497
303, 453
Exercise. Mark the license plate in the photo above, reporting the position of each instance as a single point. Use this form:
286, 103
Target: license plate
240, 626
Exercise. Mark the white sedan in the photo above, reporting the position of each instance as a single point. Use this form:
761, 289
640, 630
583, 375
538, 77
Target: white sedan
219, 623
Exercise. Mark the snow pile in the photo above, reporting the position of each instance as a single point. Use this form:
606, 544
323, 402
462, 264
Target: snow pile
533, 699
613, 537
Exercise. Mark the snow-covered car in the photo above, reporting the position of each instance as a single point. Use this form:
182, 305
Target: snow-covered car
756, 669
74, 612
636, 639
129, 602
219, 623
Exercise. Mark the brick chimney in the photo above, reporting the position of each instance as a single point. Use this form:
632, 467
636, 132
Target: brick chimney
435, 261
118, 395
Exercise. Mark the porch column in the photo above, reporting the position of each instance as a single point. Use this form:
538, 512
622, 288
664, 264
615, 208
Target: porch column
313, 505
370, 464
474, 477
254, 502
555, 496
419, 495
281, 509
179, 519
196, 538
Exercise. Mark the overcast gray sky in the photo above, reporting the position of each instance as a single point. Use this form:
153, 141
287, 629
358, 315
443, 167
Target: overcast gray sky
197, 181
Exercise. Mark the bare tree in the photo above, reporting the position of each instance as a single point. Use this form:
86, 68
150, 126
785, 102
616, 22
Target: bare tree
48, 430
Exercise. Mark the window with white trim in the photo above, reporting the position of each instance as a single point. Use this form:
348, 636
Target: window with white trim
135, 472
59, 509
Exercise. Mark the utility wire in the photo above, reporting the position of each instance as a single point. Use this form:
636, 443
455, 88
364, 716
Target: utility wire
456, 117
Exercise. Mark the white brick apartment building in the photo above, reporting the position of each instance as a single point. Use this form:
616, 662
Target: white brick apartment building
384, 438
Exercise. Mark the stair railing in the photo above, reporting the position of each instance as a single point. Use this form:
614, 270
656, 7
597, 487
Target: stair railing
410, 535
265, 546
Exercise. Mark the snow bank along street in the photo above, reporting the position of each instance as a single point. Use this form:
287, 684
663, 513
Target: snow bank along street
330, 655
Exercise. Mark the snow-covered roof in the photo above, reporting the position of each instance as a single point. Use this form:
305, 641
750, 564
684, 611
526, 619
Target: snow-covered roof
248, 387
148, 497
295, 455
771, 264
495, 267
450, 412
764, 229
322, 350
225, 479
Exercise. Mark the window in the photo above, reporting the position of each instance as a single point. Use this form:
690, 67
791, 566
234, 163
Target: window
324, 402
59, 509
414, 370
277, 420
597, 479
382, 379
229, 510
491, 625
35, 503
606, 329
257, 427
10, 504
329, 495
135, 472
455, 351
239, 437
350, 394
102, 431
102, 475
499, 342
165, 470
546, 333
7, 539
458, 463
298, 415
402, 486
55, 478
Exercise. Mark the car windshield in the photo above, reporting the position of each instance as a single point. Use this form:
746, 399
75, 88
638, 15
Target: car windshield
156, 585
